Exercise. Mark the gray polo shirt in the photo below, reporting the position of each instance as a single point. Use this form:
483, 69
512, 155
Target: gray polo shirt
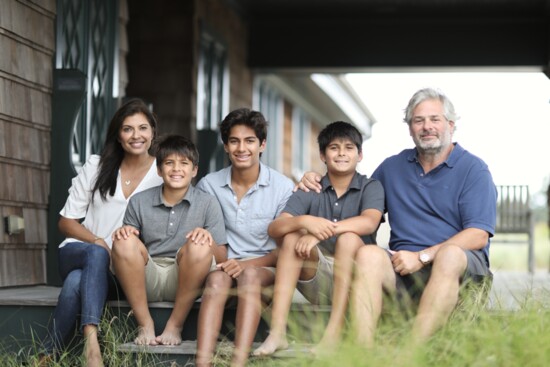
163, 228
246, 221
362, 194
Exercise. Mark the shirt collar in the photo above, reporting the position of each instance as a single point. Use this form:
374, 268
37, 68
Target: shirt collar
189, 196
354, 184
451, 160
263, 178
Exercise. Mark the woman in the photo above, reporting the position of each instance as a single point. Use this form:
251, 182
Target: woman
99, 195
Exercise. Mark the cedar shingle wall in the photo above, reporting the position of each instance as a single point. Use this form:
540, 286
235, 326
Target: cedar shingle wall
232, 30
27, 42
160, 60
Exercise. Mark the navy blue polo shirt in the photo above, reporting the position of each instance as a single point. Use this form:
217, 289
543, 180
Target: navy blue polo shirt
427, 209
362, 194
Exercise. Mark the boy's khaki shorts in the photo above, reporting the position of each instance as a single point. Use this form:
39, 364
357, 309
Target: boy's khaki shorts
161, 278
318, 290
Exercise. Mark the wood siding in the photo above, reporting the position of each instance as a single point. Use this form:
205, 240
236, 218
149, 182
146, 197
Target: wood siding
27, 43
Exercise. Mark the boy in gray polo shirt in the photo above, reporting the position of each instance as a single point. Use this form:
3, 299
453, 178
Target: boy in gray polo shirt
321, 233
172, 236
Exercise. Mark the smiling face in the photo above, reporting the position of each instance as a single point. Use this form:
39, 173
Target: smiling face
177, 172
341, 157
135, 135
243, 147
429, 128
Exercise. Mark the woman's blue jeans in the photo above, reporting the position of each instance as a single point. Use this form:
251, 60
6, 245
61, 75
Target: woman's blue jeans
84, 268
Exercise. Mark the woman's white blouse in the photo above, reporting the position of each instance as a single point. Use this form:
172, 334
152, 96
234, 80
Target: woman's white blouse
101, 218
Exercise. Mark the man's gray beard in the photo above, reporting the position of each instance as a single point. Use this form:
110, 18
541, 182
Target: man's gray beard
430, 150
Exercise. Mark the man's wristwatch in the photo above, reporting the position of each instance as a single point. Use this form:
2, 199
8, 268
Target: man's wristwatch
424, 257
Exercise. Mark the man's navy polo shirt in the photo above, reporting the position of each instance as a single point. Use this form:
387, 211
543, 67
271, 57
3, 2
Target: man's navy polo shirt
427, 209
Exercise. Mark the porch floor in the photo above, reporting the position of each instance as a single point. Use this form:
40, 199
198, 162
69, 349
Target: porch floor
510, 290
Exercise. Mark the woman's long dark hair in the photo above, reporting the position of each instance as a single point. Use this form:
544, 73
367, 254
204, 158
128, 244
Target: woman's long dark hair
112, 153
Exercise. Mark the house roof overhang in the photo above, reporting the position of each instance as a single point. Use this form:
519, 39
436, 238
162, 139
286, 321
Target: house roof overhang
364, 35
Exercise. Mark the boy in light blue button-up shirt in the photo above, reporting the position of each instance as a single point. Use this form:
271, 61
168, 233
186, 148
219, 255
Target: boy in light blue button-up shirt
251, 195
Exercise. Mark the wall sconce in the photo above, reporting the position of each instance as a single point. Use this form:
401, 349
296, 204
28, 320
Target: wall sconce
14, 224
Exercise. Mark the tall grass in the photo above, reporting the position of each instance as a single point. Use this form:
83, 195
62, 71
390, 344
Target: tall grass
114, 331
474, 336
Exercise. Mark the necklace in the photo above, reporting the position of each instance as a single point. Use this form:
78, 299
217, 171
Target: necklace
127, 182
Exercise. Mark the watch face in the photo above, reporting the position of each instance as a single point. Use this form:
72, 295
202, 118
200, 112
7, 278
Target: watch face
424, 258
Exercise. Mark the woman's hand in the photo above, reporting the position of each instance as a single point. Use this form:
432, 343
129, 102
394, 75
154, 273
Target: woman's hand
124, 232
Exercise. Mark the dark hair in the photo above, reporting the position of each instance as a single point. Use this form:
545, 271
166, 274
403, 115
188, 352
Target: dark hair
112, 153
244, 116
339, 130
176, 144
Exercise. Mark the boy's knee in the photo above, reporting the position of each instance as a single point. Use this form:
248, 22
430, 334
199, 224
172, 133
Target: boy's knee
124, 246
194, 253
218, 280
349, 242
249, 276
289, 241
370, 254
348, 237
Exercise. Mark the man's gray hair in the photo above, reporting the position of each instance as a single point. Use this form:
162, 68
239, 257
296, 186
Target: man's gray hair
426, 94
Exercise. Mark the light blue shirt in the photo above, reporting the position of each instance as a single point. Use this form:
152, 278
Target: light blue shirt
246, 222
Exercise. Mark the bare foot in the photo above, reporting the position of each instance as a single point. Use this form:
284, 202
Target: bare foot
146, 336
326, 346
272, 344
45, 360
93, 358
240, 357
170, 336
92, 351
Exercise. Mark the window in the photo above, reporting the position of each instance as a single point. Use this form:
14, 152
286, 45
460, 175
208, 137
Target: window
270, 104
300, 143
212, 101
87, 40
213, 83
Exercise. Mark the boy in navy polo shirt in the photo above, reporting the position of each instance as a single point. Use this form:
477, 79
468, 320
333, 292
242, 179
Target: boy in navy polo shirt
173, 235
321, 234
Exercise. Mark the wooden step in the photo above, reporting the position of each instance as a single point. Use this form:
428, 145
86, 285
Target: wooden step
184, 354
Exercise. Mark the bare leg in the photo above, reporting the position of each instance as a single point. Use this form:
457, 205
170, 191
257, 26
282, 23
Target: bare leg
373, 274
91, 350
249, 308
216, 292
290, 268
129, 259
344, 257
193, 264
441, 293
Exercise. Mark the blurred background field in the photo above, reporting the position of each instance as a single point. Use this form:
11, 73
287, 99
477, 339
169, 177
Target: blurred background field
506, 256
513, 256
